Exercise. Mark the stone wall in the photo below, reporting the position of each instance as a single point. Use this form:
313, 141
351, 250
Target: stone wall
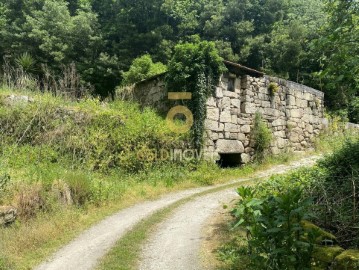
152, 92
294, 114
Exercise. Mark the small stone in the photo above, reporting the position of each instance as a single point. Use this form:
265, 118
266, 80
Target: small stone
8, 215
245, 158
281, 143
275, 151
230, 94
278, 122
246, 129
241, 137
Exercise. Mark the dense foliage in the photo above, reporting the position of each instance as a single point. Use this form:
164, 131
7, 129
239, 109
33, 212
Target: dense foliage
195, 68
81, 134
293, 39
287, 221
262, 137
272, 215
142, 68
337, 195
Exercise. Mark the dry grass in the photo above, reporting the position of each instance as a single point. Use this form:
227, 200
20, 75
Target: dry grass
29, 200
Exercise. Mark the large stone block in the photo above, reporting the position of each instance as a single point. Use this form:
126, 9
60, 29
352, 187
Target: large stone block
279, 134
246, 129
294, 137
213, 136
226, 103
229, 127
247, 107
291, 100
236, 103
275, 151
306, 118
245, 81
296, 113
265, 104
301, 103
211, 125
229, 147
281, 143
263, 90
308, 96
271, 112
237, 83
230, 94
248, 92
309, 128
226, 116
234, 111
278, 122
213, 114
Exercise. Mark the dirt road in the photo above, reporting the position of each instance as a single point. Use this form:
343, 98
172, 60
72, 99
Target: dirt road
86, 250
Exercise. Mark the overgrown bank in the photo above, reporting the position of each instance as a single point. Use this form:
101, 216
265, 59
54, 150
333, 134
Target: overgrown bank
305, 220
66, 165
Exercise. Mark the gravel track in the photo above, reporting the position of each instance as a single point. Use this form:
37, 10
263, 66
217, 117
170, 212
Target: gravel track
176, 243
84, 252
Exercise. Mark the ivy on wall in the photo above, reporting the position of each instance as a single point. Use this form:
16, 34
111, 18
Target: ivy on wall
195, 67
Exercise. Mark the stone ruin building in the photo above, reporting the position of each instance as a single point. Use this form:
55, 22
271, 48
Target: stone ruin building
293, 112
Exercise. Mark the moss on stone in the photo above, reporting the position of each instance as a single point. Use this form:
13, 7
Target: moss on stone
322, 235
347, 260
326, 254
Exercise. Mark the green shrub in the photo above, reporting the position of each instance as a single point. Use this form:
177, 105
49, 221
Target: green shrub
262, 137
142, 68
273, 88
90, 134
195, 67
336, 193
274, 229
26, 62
80, 186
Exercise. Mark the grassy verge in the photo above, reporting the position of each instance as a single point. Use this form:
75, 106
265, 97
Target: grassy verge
27, 243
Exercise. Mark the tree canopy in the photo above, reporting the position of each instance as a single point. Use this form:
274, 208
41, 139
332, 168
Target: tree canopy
308, 41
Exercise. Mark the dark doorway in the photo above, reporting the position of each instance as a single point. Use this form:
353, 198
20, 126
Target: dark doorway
229, 160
